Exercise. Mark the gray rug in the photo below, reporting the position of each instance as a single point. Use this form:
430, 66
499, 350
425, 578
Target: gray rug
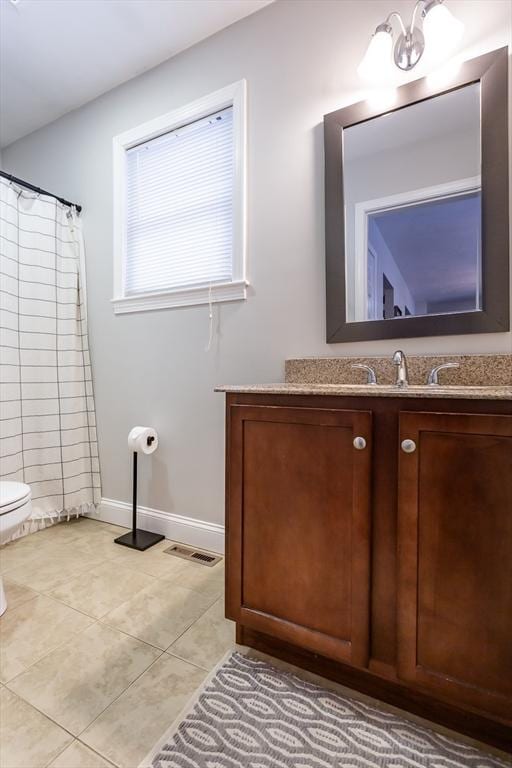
251, 715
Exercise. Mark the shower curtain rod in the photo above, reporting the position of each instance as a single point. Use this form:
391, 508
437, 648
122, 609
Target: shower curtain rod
39, 191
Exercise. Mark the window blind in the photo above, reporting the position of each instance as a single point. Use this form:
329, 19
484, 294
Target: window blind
179, 202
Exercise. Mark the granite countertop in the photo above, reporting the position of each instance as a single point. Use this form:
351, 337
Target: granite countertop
335, 376
495, 392
473, 370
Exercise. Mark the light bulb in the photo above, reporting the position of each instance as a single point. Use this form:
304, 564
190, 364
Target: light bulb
376, 64
442, 30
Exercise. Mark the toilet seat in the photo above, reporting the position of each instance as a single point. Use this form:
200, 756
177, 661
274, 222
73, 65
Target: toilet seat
13, 495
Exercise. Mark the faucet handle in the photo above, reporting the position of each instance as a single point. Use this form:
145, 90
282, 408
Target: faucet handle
433, 378
372, 378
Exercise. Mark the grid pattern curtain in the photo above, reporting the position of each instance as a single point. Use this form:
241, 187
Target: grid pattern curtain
48, 423
180, 207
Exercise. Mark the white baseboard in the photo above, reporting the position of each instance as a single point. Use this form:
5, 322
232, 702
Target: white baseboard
186, 530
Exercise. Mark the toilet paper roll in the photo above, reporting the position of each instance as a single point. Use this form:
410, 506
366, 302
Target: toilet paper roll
143, 440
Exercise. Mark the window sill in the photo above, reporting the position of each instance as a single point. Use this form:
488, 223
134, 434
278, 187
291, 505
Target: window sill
181, 297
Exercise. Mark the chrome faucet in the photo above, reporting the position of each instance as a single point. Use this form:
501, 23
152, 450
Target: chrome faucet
402, 379
433, 378
371, 377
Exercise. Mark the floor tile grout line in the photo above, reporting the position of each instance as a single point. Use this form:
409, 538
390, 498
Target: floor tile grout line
75, 635
56, 648
135, 637
41, 712
210, 605
60, 726
127, 634
100, 754
182, 658
133, 682
192, 625
98, 618
71, 607
54, 600
55, 757
55, 722
101, 619
119, 696
81, 572
149, 586
181, 569
59, 542
187, 661
43, 539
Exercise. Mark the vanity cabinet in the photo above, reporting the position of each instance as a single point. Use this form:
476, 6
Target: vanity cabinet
385, 565
299, 526
455, 557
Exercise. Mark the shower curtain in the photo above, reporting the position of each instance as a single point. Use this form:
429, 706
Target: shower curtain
48, 424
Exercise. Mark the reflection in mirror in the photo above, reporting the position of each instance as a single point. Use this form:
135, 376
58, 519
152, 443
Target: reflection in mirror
413, 209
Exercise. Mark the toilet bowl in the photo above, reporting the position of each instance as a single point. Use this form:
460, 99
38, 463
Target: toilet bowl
15, 508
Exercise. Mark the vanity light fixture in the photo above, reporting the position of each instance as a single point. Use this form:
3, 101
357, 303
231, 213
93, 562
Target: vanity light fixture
440, 31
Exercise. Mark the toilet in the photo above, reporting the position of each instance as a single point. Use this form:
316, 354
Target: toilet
15, 508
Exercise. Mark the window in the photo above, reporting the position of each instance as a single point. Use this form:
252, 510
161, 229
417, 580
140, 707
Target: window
179, 206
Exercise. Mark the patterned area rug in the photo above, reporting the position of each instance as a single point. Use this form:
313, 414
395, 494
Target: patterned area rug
251, 715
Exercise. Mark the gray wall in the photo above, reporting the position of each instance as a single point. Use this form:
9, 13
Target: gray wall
299, 58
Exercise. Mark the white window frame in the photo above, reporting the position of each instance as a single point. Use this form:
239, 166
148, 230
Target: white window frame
234, 96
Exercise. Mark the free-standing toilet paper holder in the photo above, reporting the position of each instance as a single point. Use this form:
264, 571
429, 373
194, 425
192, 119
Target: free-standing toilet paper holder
137, 538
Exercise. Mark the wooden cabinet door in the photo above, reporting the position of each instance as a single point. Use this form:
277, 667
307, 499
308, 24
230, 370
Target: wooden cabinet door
298, 526
455, 557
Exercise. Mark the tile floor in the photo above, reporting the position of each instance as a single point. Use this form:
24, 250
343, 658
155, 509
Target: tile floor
101, 646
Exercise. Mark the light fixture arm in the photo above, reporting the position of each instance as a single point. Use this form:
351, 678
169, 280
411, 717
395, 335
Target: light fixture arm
397, 15
411, 43
419, 3
430, 18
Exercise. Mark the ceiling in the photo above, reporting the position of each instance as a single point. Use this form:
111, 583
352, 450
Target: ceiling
56, 55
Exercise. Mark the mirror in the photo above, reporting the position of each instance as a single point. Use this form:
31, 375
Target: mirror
412, 193
417, 210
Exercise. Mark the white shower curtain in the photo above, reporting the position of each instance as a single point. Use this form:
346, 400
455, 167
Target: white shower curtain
48, 424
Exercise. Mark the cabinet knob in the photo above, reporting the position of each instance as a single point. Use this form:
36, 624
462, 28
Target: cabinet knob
408, 446
359, 443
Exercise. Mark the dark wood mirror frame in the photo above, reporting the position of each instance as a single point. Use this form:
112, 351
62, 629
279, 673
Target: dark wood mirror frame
491, 71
